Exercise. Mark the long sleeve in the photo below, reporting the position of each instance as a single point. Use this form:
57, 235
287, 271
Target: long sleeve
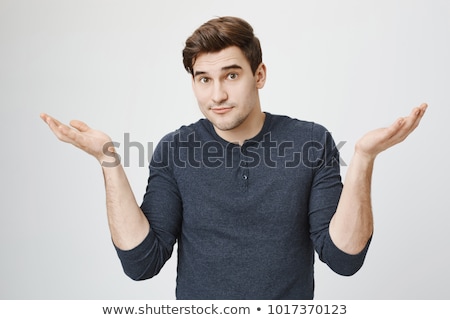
162, 207
325, 193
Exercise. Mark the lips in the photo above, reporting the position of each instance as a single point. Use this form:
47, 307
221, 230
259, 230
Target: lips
221, 110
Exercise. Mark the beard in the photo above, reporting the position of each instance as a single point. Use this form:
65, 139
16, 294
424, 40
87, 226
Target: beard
228, 124
229, 121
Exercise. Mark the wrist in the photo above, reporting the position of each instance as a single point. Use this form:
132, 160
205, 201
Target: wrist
363, 160
109, 157
360, 152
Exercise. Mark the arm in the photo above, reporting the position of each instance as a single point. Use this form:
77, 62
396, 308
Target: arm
127, 223
352, 225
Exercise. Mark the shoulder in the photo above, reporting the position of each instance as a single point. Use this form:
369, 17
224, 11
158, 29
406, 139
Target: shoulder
292, 126
186, 136
181, 134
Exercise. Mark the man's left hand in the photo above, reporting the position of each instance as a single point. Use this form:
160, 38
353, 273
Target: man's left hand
376, 141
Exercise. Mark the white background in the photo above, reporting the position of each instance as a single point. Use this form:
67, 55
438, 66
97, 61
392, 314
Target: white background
349, 65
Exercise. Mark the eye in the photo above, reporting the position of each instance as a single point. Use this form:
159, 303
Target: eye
203, 80
232, 76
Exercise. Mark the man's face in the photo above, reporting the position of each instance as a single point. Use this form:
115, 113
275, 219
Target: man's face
226, 88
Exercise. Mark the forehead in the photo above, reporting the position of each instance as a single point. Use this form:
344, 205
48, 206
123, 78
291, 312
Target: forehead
215, 61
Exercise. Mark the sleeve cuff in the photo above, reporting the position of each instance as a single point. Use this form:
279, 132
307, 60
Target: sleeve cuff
341, 262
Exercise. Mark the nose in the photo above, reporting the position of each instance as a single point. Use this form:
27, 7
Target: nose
219, 95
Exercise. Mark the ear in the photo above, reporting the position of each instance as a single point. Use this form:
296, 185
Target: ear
260, 76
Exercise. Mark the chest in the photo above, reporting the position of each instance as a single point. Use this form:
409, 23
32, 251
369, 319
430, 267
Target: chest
240, 185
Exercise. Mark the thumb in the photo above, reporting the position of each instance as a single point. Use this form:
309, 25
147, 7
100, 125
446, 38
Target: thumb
79, 125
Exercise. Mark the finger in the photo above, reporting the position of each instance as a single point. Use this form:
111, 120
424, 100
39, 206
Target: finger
403, 127
395, 128
79, 125
49, 120
417, 113
44, 117
423, 107
68, 131
54, 124
60, 130
415, 117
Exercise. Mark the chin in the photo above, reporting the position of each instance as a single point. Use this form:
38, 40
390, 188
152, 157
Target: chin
227, 125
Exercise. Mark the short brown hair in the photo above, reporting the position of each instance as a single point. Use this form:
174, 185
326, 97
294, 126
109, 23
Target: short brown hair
220, 33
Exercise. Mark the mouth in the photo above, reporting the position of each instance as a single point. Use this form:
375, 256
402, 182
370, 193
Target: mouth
221, 110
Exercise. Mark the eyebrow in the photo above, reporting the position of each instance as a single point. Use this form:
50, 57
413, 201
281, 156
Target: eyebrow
230, 67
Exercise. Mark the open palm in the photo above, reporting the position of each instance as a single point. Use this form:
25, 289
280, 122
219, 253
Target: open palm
378, 140
79, 134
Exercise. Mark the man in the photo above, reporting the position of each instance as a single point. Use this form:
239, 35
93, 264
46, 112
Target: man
248, 195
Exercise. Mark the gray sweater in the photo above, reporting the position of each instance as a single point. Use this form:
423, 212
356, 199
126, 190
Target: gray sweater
247, 218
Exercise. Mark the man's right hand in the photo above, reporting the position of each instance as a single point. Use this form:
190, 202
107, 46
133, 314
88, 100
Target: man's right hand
127, 223
79, 134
